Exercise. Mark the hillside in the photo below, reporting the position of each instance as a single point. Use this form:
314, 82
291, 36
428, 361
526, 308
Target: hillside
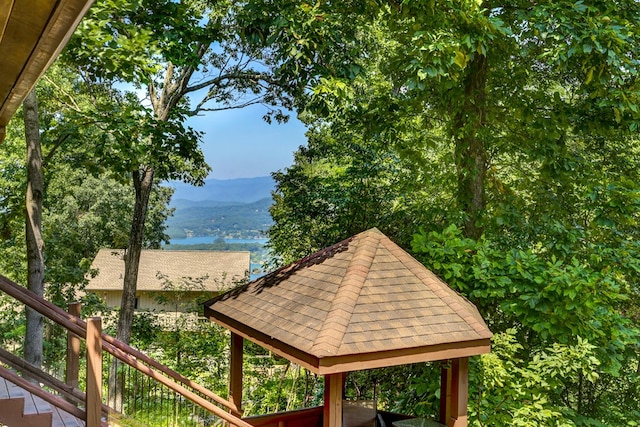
236, 208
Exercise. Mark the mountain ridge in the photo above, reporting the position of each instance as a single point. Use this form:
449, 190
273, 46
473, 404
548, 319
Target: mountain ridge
238, 190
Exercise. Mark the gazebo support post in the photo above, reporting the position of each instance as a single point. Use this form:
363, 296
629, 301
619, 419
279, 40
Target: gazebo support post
333, 392
454, 390
235, 374
445, 391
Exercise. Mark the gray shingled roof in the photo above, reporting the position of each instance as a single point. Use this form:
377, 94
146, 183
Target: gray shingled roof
222, 268
362, 295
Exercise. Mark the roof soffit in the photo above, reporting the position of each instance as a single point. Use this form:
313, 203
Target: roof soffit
32, 34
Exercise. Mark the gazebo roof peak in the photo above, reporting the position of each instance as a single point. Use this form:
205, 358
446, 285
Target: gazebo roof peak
363, 302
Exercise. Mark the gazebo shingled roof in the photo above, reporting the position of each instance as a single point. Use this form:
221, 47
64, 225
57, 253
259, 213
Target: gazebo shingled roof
361, 303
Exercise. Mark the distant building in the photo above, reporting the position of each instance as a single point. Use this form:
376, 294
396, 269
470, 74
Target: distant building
168, 280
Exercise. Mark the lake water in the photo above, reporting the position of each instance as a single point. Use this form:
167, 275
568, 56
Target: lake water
203, 240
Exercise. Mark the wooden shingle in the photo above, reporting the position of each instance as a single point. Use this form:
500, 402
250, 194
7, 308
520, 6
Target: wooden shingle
385, 309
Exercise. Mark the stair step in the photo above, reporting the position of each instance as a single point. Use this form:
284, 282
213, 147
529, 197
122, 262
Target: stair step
31, 411
4, 391
14, 392
10, 405
33, 405
64, 419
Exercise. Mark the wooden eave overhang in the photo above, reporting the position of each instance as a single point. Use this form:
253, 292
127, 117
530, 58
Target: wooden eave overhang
32, 34
353, 362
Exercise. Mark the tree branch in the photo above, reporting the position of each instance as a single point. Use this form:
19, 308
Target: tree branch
74, 105
229, 107
55, 147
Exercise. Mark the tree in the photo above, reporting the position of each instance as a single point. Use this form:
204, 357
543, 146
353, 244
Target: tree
340, 185
171, 50
87, 213
366, 160
80, 212
33, 224
499, 76
531, 110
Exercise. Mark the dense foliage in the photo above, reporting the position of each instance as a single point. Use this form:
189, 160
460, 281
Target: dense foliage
85, 207
498, 144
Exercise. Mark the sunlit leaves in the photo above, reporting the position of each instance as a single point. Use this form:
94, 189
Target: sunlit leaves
556, 299
517, 390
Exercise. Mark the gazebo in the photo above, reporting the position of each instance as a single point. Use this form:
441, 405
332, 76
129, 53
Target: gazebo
362, 303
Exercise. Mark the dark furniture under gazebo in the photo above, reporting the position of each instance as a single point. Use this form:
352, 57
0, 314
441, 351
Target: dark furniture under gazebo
362, 303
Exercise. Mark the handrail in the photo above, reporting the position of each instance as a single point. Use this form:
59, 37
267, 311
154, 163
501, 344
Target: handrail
123, 352
175, 375
37, 391
68, 392
79, 327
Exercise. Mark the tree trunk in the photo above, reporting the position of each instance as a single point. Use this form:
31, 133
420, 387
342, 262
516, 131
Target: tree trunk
470, 152
142, 182
35, 243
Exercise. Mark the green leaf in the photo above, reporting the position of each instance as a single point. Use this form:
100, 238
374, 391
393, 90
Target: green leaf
589, 75
461, 59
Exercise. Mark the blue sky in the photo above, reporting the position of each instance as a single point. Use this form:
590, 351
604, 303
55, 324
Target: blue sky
240, 144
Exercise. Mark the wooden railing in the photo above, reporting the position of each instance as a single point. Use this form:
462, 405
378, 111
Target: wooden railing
69, 392
310, 417
98, 341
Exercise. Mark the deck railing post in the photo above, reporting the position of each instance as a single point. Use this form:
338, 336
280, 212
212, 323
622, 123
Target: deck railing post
94, 372
73, 350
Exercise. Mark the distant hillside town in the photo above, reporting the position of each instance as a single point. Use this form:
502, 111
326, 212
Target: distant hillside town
228, 209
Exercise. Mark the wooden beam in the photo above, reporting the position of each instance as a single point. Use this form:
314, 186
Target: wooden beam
309, 417
6, 6
357, 362
333, 392
404, 356
287, 351
445, 391
24, 27
235, 375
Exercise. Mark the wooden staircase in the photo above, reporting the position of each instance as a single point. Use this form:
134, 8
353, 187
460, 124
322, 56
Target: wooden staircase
19, 408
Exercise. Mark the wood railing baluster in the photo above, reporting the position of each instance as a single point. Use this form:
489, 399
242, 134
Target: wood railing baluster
73, 350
